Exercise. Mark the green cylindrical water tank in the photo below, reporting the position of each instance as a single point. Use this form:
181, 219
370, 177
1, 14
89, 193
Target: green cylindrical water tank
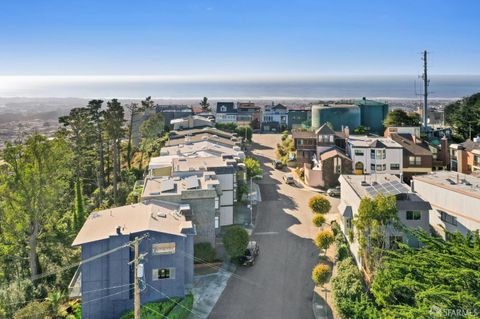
336, 114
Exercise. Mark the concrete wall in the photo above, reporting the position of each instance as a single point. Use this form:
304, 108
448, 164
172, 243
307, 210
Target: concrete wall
100, 300
464, 207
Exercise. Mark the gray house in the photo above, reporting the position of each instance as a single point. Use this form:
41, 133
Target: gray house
106, 275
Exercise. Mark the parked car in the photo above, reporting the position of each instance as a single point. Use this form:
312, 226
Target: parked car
277, 164
251, 253
288, 178
333, 192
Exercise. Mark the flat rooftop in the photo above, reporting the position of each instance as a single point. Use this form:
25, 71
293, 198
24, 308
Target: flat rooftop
372, 142
202, 149
175, 185
202, 137
371, 185
453, 181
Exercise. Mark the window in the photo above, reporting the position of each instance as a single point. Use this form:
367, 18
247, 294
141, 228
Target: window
359, 153
394, 240
448, 218
394, 167
337, 165
372, 154
163, 248
217, 221
384, 166
372, 167
331, 138
415, 160
380, 154
413, 215
163, 273
379, 168
217, 202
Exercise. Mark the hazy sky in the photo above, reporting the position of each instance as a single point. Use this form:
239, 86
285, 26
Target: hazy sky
237, 37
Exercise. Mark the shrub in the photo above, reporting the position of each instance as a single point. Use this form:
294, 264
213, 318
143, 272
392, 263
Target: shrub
335, 228
241, 132
340, 239
204, 253
33, 310
152, 310
318, 220
351, 235
319, 204
183, 309
252, 166
342, 252
235, 241
324, 239
320, 274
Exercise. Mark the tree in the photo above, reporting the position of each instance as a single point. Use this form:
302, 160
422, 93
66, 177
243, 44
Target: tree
464, 116
361, 130
204, 253
324, 239
399, 117
150, 130
244, 132
319, 204
133, 110
235, 241
318, 220
147, 104
252, 166
205, 105
97, 119
320, 274
114, 119
79, 213
34, 187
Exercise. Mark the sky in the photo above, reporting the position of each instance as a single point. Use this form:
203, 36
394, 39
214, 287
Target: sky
235, 38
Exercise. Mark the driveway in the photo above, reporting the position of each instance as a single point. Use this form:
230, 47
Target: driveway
279, 284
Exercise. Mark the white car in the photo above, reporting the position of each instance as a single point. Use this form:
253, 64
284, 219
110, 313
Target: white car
288, 178
334, 192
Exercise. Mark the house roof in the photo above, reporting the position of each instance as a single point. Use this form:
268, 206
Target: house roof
153, 215
470, 145
372, 142
279, 106
408, 143
202, 137
195, 131
226, 107
325, 130
303, 134
332, 153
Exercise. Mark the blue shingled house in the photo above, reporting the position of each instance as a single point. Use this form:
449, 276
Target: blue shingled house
107, 275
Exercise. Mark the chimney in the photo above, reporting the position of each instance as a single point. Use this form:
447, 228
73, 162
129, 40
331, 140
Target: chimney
119, 230
346, 131
444, 153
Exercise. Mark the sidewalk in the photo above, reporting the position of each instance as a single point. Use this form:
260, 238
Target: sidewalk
207, 289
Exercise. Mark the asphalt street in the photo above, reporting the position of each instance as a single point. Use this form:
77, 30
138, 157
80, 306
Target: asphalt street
279, 285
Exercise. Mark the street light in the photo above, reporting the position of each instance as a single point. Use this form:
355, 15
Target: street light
250, 195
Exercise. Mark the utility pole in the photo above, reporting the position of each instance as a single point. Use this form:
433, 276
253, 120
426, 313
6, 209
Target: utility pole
425, 91
136, 300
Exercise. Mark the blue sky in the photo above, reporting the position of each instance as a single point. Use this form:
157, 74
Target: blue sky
237, 37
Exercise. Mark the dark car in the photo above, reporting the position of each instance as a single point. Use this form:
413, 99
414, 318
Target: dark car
251, 253
277, 164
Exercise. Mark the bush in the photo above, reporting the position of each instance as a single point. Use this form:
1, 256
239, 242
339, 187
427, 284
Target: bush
340, 239
324, 239
183, 309
152, 310
204, 253
335, 228
235, 241
319, 204
320, 274
33, 310
241, 132
252, 166
348, 290
318, 220
342, 252
351, 235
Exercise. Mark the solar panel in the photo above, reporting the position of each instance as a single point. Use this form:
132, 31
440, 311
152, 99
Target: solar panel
167, 185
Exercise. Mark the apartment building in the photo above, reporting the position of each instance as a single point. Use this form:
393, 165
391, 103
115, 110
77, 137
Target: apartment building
375, 155
465, 157
455, 200
199, 190
413, 211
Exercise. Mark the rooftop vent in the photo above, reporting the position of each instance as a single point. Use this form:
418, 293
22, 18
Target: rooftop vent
451, 181
364, 183
119, 230
162, 215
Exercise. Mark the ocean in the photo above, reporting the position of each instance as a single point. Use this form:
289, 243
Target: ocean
328, 87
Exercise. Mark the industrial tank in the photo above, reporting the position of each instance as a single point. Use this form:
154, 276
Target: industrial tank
373, 114
336, 114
